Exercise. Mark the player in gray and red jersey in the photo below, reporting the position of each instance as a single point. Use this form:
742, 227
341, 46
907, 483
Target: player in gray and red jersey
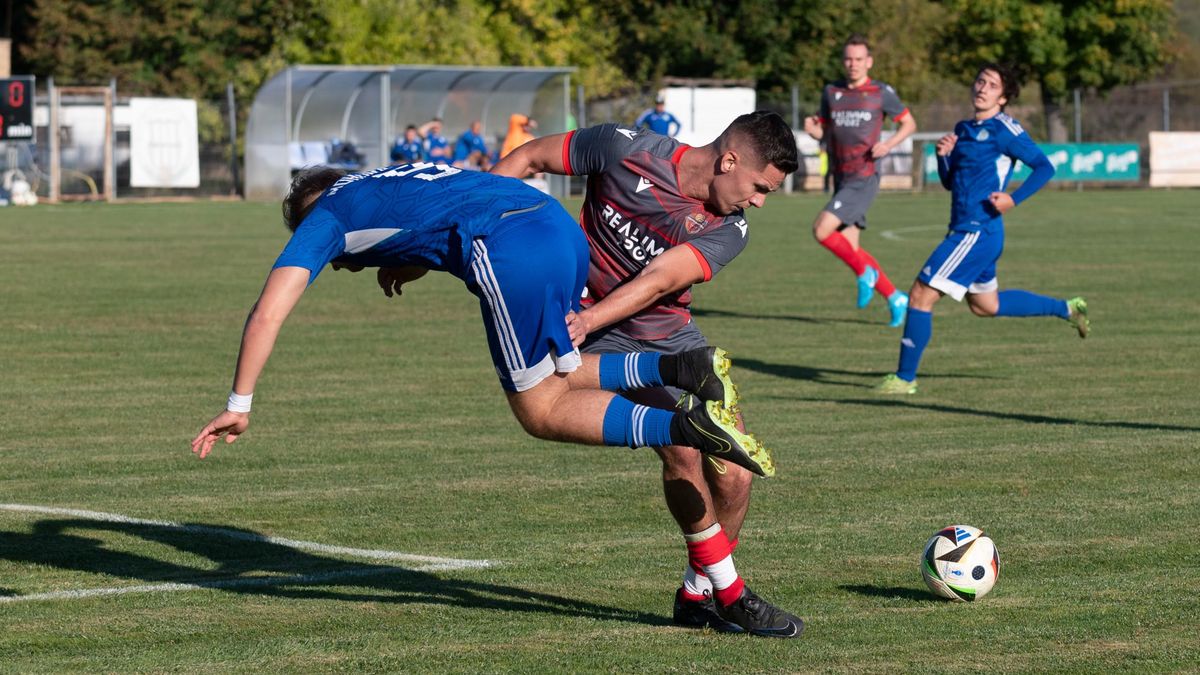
660, 216
851, 123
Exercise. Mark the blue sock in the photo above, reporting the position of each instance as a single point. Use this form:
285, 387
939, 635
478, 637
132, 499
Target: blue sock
636, 426
1024, 303
638, 370
918, 328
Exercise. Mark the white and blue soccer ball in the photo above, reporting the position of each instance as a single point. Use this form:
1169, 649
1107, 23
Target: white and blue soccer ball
961, 563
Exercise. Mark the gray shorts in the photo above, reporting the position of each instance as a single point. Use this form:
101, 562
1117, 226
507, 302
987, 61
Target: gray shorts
852, 198
612, 341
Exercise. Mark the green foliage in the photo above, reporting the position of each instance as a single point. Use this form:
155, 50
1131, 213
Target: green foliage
194, 47
1096, 44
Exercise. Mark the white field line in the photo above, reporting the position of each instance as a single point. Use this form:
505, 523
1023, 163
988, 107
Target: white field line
424, 563
219, 583
895, 233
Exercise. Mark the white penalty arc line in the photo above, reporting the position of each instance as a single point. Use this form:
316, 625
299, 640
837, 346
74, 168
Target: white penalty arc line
423, 563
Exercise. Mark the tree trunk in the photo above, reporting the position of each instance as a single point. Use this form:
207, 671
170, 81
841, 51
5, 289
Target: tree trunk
1056, 126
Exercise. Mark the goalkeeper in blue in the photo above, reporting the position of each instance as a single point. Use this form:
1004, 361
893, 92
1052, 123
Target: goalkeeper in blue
975, 164
526, 260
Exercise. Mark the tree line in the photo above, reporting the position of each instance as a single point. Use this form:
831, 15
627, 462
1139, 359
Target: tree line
192, 48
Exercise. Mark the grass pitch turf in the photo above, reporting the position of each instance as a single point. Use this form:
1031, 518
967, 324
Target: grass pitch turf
379, 425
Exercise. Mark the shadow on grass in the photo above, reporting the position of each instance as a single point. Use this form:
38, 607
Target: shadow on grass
700, 311
995, 414
901, 592
792, 371
234, 557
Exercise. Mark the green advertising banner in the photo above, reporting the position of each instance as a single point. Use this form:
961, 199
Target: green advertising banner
1072, 162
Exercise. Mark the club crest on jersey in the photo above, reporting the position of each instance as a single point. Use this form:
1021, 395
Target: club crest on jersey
695, 222
627, 133
983, 135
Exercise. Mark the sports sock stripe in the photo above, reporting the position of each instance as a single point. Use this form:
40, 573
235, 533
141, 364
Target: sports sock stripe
639, 425
631, 372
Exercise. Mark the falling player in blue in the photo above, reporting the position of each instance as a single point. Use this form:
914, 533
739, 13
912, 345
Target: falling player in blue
526, 259
975, 163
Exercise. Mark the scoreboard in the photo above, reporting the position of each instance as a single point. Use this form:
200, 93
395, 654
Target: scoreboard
16, 108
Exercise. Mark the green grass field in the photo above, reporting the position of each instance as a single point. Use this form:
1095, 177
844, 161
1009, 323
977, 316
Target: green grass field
379, 425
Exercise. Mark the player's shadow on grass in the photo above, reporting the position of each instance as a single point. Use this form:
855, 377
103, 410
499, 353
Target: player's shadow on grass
901, 592
830, 376
701, 311
244, 561
995, 414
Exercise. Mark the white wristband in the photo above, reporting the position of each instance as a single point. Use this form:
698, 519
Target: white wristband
239, 403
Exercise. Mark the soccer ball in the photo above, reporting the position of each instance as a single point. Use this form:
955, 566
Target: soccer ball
960, 562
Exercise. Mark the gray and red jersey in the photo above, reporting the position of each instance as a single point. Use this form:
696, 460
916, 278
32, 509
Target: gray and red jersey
634, 211
853, 120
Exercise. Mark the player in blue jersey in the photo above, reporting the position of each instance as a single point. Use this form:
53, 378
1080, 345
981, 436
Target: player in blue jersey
471, 152
437, 148
658, 120
975, 163
408, 149
526, 260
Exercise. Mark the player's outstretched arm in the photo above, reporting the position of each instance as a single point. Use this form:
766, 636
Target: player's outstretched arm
282, 291
541, 155
672, 271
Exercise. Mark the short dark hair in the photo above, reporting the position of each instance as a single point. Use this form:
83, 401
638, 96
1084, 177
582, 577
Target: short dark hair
857, 39
770, 137
307, 185
1008, 80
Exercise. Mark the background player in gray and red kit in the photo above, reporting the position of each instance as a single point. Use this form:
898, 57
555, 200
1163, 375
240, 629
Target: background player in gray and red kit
660, 216
851, 122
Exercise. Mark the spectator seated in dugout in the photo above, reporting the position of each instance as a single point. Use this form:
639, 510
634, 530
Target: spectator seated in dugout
471, 152
409, 148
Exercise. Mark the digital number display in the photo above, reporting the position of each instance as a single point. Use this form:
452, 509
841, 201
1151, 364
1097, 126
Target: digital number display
16, 108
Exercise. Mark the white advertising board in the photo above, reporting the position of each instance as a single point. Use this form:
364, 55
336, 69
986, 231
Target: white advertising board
164, 144
704, 112
1174, 159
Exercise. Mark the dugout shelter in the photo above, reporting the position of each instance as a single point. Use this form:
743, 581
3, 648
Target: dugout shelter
299, 113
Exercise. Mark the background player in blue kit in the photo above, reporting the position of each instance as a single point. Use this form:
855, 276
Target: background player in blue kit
975, 163
658, 120
526, 260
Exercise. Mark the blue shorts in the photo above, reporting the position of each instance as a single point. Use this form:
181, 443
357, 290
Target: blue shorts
965, 262
528, 274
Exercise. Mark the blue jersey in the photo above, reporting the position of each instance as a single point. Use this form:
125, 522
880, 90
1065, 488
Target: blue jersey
427, 215
437, 147
467, 144
982, 163
658, 122
408, 151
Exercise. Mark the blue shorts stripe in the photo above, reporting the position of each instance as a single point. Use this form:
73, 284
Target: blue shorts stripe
486, 279
960, 252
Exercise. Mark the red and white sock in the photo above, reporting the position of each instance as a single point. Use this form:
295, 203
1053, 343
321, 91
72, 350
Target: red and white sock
844, 250
711, 550
696, 586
